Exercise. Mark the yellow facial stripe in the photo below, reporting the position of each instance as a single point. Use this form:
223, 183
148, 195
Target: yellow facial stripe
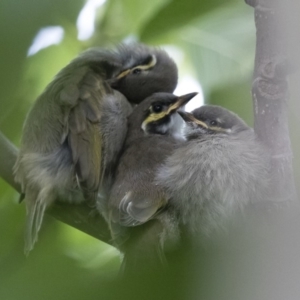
150, 65
173, 107
153, 117
219, 129
196, 121
213, 128
123, 74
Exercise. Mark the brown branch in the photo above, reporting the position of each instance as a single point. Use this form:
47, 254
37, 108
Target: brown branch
270, 91
80, 217
8, 154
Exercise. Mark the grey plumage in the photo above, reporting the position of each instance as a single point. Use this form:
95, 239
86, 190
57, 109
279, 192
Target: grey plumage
75, 130
154, 131
217, 172
161, 74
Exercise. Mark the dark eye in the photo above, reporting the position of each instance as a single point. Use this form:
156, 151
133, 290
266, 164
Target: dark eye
136, 71
213, 123
157, 108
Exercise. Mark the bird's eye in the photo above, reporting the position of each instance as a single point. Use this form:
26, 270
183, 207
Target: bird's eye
136, 71
213, 123
157, 108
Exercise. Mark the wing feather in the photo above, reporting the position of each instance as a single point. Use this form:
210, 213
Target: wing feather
65, 138
85, 137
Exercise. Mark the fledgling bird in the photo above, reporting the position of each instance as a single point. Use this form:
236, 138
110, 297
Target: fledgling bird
75, 130
154, 131
217, 172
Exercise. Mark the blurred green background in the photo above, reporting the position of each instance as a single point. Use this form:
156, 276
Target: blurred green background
212, 42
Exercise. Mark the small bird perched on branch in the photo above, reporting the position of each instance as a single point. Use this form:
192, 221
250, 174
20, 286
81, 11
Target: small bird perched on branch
154, 131
75, 131
221, 168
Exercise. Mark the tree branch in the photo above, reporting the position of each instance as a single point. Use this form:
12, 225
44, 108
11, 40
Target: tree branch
80, 216
270, 91
8, 155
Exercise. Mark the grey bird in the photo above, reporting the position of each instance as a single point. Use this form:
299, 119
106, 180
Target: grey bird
154, 131
219, 170
76, 128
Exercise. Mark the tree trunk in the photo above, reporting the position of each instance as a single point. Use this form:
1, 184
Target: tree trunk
270, 91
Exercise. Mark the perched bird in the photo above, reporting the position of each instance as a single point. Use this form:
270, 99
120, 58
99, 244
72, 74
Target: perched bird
154, 131
75, 130
221, 168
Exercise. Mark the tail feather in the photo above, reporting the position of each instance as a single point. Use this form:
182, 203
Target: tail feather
39, 216
36, 205
31, 209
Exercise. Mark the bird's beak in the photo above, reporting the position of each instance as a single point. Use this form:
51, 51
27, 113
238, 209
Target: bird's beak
188, 117
113, 82
181, 101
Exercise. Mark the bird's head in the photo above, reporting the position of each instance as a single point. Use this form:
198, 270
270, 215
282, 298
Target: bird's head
212, 119
145, 71
158, 114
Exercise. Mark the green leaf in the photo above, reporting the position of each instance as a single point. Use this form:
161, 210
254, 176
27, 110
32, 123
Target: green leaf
19, 23
177, 14
125, 18
221, 46
235, 97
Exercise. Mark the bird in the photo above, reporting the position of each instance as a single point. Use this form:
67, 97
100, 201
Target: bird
136, 205
75, 130
220, 169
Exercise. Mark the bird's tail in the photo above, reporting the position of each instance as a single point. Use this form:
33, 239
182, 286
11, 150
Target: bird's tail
43, 177
36, 204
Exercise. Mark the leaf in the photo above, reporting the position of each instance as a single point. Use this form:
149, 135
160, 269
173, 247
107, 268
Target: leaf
125, 18
221, 46
19, 23
176, 14
235, 97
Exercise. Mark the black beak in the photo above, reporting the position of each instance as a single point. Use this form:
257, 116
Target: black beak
113, 82
189, 118
181, 101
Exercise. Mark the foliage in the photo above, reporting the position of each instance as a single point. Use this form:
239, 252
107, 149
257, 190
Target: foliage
217, 38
